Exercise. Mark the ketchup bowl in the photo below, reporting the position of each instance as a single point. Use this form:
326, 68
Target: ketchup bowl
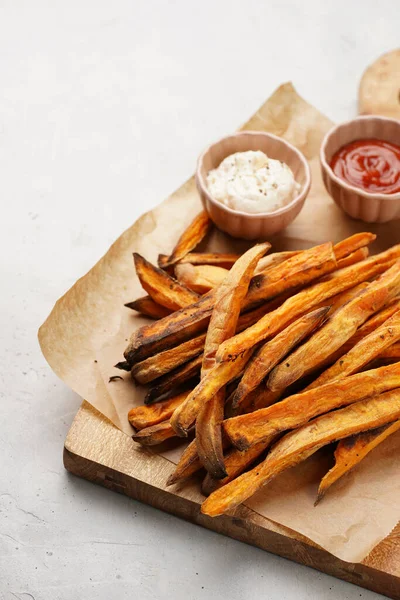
381, 170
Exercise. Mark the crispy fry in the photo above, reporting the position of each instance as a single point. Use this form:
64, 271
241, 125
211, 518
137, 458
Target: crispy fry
393, 352
273, 260
352, 249
146, 306
353, 258
353, 243
216, 378
162, 288
376, 321
261, 397
294, 411
178, 327
298, 445
189, 239
329, 286
300, 269
173, 380
350, 452
200, 278
272, 352
147, 416
191, 320
188, 464
370, 347
369, 326
229, 298
204, 258
151, 436
168, 360
235, 463
341, 299
209, 435
340, 327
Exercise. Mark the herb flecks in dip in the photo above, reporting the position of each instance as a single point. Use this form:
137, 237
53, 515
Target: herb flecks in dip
253, 183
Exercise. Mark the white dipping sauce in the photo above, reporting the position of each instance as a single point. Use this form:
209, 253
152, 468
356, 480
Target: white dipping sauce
253, 183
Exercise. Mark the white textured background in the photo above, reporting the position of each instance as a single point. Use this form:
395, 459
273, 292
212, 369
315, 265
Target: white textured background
104, 107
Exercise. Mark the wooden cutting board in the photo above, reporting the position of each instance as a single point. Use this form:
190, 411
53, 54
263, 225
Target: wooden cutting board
96, 450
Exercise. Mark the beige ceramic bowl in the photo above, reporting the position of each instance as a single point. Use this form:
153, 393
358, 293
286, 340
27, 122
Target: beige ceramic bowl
372, 208
241, 224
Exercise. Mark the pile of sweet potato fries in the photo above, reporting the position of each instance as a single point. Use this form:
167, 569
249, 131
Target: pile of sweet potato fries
264, 358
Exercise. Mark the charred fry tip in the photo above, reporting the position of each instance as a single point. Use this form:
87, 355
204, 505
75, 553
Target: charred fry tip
179, 430
319, 497
321, 311
123, 365
172, 479
240, 443
217, 470
130, 305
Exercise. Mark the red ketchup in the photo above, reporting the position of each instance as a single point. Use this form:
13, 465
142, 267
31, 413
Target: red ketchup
372, 165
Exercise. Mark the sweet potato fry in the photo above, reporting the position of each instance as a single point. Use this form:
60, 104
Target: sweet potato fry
273, 260
369, 326
261, 397
298, 445
370, 347
185, 415
151, 436
173, 380
294, 411
168, 360
178, 327
300, 269
352, 249
146, 306
272, 352
190, 238
376, 321
162, 288
200, 278
353, 243
393, 352
307, 299
204, 258
351, 451
188, 464
147, 416
340, 327
353, 258
209, 435
229, 298
236, 462
341, 299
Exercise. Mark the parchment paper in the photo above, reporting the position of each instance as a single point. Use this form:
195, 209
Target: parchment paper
88, 329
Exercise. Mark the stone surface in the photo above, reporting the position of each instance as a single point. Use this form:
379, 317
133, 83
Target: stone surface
104, 107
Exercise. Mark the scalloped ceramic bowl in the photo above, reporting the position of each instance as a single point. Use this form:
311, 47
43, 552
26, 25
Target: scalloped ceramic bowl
369, 207
241, 224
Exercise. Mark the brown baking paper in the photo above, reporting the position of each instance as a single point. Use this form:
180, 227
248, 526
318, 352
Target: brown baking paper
88, 329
